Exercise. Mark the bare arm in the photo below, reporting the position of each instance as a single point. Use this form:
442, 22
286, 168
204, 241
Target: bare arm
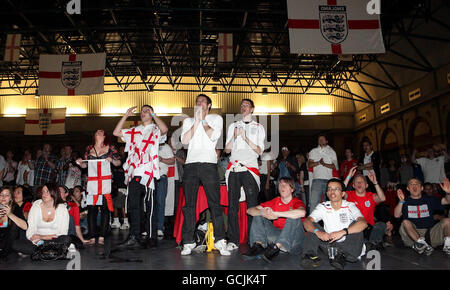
292, 214
169, 161
379, 197
398, 208
161, 125
118, 129
413, 156
312, 163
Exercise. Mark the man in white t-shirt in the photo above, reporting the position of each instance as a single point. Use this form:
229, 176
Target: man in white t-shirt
432, 166
202, 133
141, 169
323, 160
166, 158
342, 234
245, 141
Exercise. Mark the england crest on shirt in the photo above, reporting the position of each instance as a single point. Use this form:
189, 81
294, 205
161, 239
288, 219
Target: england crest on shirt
367, 203
343, 218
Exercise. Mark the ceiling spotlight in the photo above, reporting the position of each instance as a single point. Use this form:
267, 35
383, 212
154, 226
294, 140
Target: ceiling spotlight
36, 94
214, 91
264, 92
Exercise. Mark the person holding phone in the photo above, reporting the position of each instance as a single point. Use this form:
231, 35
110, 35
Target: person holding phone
201, 133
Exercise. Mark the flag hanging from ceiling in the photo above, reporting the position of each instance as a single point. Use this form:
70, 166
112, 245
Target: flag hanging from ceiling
333, 27
12, 47
74, 74
225, 52
45, 121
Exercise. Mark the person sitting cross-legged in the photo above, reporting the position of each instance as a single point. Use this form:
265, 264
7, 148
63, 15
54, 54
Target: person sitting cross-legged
342, 234
277, 224
366, 201
419, 220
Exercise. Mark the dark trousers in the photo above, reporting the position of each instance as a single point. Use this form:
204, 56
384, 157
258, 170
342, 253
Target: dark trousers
104, 220
351, 247
140, 208
235, 181
25, 246
207, 174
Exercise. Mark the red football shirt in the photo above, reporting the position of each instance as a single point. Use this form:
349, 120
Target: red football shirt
346, 166
366, 204
74, 211
277, 204
26, 207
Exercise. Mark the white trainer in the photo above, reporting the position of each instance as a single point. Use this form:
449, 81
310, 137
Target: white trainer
232, 246
115, 224
125, 225
222, 247
160, 234
72, 248
187, 249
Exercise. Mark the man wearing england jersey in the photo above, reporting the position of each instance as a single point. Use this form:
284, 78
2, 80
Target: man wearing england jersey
202, 133
245, 141
342, 234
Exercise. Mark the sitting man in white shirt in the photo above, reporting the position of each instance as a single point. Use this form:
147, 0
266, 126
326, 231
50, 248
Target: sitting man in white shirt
342, 234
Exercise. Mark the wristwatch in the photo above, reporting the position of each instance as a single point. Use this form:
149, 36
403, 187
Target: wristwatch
346, 231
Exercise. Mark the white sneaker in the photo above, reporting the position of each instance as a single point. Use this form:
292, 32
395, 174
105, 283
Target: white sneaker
125, 225
115, 224
222, 247
232, 246
160, 234
187, 249
72, 248
446, 251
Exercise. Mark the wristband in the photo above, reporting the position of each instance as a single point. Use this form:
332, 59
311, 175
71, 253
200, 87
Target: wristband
375, 184
203, 121
402, 201
261, 212
346, 231
153, 114
315, 230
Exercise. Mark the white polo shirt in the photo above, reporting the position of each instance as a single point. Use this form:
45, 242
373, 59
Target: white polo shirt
241, 151
201, 147
329, 156
433, 169
336, 220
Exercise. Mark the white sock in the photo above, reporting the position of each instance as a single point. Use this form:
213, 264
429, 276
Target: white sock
116, 220
422, 241
125, 220
447, 242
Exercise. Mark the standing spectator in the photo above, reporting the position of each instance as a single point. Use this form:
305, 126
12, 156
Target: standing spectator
2, 169
419, 218
73, 176
342, 233
369, 161
348, 164
286, 164
48, 220
323, 160
180, 160
22, 199
277, 224
265, 169
394, 176
62, 165
302, 178
432, 165
166, 158
12, 222
11, 169
406, 170
43, 166
24, 175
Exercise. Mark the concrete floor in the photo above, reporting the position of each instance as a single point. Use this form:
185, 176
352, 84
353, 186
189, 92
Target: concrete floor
167, 257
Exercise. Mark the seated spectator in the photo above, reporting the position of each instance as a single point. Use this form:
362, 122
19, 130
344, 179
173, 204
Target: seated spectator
365, 202
22, 200
12, 222
74, 212
431, 190
342, 234
277, 224
48, 220
78, 196
418, 213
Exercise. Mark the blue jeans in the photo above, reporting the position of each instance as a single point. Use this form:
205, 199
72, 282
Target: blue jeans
161, 194
318, 191
290, 237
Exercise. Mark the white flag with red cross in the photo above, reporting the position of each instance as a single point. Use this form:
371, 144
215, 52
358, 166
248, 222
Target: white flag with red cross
45, 121
12, 48
99, 177
74, 74
170, 198
333, 27
225, 53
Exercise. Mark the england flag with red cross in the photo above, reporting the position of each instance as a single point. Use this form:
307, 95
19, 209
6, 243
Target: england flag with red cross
74, 74
99, 182
333, 27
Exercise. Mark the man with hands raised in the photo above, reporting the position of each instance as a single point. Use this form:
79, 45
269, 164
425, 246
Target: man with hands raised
343, 229
419, 221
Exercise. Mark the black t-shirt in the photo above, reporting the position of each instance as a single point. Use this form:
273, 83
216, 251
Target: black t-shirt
16, 232
420, 211
305, 172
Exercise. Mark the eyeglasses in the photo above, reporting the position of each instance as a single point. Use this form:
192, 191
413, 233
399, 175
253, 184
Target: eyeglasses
334, 189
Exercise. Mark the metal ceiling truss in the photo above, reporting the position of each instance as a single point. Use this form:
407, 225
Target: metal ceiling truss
155, 43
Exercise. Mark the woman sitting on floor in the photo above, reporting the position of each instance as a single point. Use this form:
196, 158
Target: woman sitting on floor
22, 200
74, 213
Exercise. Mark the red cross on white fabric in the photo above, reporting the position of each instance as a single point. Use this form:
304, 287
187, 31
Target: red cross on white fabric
99, 178
150, 177
11, 47
225, 47
147, 142
315, 24
44, 132
84, 74
133, 132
